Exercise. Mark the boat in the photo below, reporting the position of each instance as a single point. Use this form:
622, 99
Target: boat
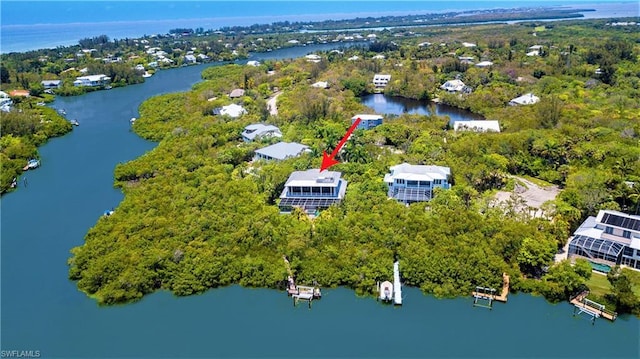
132, 120
62, 112
385, 290
31, 165
75, 123
108, 212
146, 75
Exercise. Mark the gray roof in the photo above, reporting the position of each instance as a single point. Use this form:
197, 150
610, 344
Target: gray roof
314, 177
283, 150
258, 129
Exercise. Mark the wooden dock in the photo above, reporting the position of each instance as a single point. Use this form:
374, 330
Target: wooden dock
595, 310
489, 294
300, 292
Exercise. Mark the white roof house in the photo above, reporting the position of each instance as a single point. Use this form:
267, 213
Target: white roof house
321, 85
484, 64
258, 130
354, 58
381, 80
281, 151
468, 44
189, 59
312, 190
232, 110
526, 99
453, 86
477, 126
378, 57
51, 84
409, 172
92, 80
253, 63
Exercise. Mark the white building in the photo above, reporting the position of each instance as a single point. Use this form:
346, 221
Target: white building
280, 151
526, 99
415, 183
312, 190
381, 80
259, 130
453, 86
483, 64
610, 238
92, 80
321, 85
232, 110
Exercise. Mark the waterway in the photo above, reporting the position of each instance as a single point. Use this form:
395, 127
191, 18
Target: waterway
393, 105
41, 310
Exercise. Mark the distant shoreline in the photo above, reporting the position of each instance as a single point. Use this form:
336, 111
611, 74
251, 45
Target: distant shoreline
33, 37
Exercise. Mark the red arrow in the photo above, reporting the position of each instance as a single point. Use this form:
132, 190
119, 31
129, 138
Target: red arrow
328, 161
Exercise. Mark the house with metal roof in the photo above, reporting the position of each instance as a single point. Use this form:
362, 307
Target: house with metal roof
232, 110
453, 86
526, 99
610, 238
92, 80
312, 190
280, 151
259, 130
367, 121
415, 183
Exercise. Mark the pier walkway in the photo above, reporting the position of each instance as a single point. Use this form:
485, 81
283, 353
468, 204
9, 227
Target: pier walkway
397, 286
594, 309
489, 294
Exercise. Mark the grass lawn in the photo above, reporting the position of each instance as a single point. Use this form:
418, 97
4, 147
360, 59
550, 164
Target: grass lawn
598, 284
540, 28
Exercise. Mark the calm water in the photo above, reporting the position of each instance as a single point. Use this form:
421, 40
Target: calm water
30, 25
42, 310
391, 105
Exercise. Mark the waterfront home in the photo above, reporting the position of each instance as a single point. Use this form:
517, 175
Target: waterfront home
189, 59
203, 57
381, 80
367, 121
610, 238
92, 80
236, 93
259, 130
453, 86
51, 84
312, 190
313, 58
526, 99
253, 63
280, 151
476, 126
232, 110
415, 183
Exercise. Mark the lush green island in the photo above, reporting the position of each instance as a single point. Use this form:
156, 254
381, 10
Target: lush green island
198, 215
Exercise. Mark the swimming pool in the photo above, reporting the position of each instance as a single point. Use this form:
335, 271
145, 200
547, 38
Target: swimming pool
600, 267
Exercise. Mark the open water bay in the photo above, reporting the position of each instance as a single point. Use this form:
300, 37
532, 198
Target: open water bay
43, 311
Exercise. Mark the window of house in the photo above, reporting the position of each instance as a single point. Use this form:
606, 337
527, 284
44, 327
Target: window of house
608, 230
628, 251
437, 181
626, 234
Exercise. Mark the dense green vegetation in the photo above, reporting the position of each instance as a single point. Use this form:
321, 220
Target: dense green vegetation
197, 215
25, 128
